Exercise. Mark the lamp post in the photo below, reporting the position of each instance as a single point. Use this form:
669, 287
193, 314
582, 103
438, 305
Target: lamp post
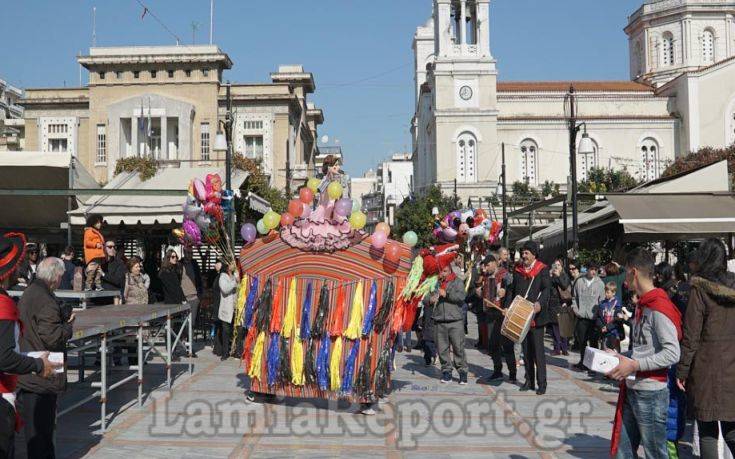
585, 147
223, 143
501, 190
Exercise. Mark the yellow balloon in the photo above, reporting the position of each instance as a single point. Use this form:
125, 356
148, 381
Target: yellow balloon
358, 220
313, 184
178, 232
271, 220
334, 190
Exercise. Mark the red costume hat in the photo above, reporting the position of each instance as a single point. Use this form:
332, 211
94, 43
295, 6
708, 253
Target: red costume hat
12, 252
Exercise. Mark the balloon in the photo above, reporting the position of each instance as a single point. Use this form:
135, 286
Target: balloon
383, 227
295, 208
378, 239
306, 196
334, 190
287, 219
203, 221
449, 234
271, 220
392, 253
200, 191
178, 233
343, 207
358, 220
248, 232
463, 229
190, 199
306, 212
260, 226
313, 184
214, 181
410, 238
191, 211
210, 208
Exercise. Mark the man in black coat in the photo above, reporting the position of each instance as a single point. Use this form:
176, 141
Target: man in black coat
531, 280
47, 328
114, 268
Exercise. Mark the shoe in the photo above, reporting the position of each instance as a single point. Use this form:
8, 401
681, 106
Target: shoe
427, 364
541, 390
565, 352
513, 379
366, 409
527, 386
194, 355
592, 374
223, 358
446, 378
495, 376
463, 379
555, 352
399, 349
579, 367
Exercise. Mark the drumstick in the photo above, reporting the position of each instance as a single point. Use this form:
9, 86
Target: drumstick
490, 304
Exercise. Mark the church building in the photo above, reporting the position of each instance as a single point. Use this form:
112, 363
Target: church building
681, 97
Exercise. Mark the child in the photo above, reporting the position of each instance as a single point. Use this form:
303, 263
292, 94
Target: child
608, 312
94, 252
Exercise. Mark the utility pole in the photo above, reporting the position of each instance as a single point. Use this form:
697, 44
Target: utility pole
211, 20
456, 198
288, 170
505, 199
573, 129
228, 160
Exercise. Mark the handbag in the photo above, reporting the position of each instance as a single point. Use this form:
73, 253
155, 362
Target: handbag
565, 294
567, 320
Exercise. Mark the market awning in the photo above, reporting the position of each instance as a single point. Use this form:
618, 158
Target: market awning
151, 208
681, 213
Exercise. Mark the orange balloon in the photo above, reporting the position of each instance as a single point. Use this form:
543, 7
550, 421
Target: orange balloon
392, 252
287, 219
295, 208
306, 195
383, 228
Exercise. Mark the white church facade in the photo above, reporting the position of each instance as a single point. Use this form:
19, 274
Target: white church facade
681, 97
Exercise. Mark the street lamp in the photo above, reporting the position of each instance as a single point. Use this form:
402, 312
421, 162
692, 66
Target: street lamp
223, 143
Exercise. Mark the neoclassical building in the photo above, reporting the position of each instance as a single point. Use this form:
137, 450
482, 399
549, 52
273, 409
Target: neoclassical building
168, 102
681, 97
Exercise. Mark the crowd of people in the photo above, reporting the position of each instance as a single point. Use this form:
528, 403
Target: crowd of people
670, 327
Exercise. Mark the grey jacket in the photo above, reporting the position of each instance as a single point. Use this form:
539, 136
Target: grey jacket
449, 307
585, 299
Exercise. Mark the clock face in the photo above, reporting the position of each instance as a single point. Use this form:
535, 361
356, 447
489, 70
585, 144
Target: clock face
465, 92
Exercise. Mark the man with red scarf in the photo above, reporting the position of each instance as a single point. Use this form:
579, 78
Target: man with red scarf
12, 363
532, 281
640, 417
449, 320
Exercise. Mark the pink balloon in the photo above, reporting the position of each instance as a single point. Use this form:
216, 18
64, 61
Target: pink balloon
306, 212
286, 219
306, 196
450, 234
378, 239
200, 191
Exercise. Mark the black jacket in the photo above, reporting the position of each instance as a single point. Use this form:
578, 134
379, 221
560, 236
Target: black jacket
26, 272
114, 278
46, 328
540, 286
67, 280
10, 361
555, 303
171, 285
216, 293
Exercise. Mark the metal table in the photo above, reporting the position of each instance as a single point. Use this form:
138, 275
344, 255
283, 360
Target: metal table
83, 297
96, 328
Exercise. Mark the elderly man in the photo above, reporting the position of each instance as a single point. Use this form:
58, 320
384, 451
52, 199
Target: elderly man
47, 328
12, 363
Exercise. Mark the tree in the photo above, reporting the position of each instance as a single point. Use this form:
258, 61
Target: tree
702, 157
414, 214
550, 189
601, 180
523, 194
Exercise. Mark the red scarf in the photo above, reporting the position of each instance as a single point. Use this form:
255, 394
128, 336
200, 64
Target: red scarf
8, 382
447, 280
659, 301
532, 272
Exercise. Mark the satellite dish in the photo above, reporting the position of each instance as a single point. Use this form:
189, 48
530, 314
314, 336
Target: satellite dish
325, 138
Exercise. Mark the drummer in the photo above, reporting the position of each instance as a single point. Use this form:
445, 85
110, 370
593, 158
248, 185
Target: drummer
531, 280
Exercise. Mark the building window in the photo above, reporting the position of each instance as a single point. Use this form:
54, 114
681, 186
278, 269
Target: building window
254, 146
170, 73
101, 144
466, 158
58, 145
153, 73
58, 128
101, 75
667, 49
708, 47
205, 72
136, 74
187, 73
731, 135
118, 74
253, 124
529, 160
587, 162
205, 141
651, 160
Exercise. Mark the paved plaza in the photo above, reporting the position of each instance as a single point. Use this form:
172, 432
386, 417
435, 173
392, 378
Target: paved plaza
206, 415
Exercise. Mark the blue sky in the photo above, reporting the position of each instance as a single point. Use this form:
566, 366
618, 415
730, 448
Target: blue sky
359, 50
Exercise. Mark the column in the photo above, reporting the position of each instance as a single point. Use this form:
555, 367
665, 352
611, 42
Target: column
463, 24
164, 137
134, 128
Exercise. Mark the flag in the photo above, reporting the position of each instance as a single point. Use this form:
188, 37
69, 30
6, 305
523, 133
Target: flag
145, 11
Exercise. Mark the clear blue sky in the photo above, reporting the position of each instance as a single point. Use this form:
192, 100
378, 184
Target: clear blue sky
359, 50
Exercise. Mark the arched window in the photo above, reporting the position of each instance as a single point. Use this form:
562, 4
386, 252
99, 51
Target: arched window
667, 49
466, 158
651, 160
586, 162
731, 124
708, 47
529, 160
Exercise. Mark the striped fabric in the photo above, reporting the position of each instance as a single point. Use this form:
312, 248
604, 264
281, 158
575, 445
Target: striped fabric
270, 258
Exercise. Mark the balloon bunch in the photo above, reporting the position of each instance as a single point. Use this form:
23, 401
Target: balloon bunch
204, 215
466, 225
379, 241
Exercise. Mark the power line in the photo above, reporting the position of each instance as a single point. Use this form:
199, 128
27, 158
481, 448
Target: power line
372, 77
147, 10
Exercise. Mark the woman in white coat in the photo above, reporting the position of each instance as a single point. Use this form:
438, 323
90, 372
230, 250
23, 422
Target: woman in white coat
228, 280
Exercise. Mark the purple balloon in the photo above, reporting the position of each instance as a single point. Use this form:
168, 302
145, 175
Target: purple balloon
248, 232
379, 239
343, 207
450, 234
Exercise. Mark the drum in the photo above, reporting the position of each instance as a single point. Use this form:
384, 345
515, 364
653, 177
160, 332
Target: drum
517, 319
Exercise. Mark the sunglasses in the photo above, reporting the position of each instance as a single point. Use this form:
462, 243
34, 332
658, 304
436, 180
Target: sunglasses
173, 257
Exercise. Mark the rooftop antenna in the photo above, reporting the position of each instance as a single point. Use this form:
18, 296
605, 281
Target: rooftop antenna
94, 26
211, 20
194, 27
